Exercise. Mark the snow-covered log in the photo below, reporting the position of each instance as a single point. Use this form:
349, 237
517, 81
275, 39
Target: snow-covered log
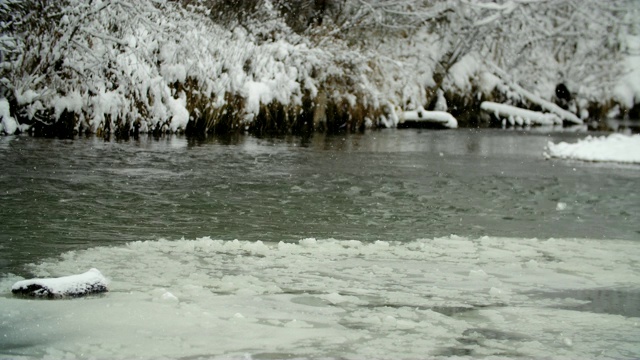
442, 118
90, 282
520, 116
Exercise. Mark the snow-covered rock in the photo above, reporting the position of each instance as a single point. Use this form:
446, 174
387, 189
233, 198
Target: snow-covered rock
90, 282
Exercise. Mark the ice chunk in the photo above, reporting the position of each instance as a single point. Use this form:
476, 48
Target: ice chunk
478, 273
169, 297
309, 242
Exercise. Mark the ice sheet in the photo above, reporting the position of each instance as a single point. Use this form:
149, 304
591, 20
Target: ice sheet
452, 296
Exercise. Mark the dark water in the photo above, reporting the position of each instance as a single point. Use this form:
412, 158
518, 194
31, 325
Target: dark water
60, 195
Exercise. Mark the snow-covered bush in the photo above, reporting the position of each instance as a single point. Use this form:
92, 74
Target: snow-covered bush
114, 65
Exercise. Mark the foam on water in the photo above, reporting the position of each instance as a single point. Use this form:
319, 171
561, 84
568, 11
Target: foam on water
452, 296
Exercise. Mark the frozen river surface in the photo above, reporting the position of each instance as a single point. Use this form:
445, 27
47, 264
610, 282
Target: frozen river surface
394, 244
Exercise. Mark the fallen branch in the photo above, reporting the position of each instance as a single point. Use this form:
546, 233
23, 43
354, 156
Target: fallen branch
519, 115
547, 105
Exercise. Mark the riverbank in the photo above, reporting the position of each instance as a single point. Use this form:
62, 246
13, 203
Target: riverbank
114, 67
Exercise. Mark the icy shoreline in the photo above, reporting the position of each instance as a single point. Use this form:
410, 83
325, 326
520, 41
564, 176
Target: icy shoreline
236, 299
613, 148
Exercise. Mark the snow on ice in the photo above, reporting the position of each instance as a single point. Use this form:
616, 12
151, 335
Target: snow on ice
337, 299
613, 148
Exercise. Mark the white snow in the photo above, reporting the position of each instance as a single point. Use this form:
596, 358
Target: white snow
627, 89
64, 286
441, 102
178, 108
613, 148
488, 82
256, 93
520, 116
106, 102
26, 97
437, 117
213, 299
174, 72
464, 70
8, 125
72, 102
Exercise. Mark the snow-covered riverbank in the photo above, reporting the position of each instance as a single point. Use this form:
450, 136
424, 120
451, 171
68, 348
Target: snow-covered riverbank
114, 66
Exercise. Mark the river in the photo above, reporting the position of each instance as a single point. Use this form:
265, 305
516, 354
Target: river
474, 202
